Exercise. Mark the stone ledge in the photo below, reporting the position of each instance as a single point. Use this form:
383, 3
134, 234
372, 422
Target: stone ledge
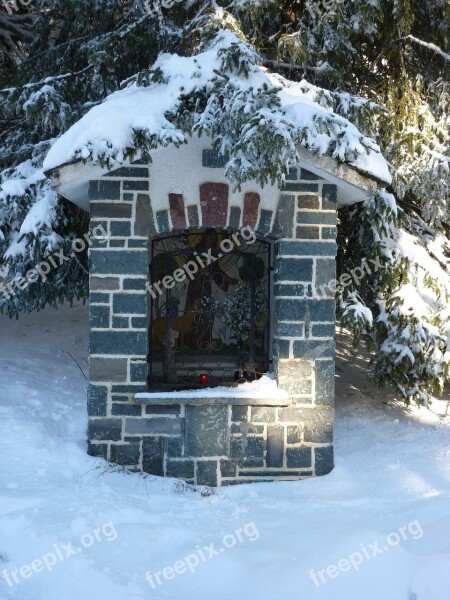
184, 398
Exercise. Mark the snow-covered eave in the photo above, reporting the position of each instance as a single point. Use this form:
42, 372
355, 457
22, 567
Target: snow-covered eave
71, 180
353, 185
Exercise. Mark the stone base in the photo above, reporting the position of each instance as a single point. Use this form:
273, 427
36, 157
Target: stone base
223, 444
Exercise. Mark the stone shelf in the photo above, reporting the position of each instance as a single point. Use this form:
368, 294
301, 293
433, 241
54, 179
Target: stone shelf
207, 397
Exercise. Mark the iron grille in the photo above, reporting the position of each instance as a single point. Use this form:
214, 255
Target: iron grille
217, 321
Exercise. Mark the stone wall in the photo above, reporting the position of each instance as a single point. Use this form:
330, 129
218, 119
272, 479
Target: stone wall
217, 444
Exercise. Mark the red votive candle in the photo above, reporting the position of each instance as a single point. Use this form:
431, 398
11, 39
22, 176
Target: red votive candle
203, 378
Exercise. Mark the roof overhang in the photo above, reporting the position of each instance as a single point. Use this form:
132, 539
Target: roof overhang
71, 180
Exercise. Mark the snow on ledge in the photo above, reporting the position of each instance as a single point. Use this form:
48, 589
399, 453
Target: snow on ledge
264, 391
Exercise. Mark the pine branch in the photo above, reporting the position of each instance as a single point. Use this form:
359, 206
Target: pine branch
49, 80
427, 45
285, 65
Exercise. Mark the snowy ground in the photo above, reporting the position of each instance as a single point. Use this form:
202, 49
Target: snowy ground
377, 527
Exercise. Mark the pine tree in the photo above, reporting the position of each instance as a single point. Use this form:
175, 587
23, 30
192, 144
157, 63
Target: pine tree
383, 64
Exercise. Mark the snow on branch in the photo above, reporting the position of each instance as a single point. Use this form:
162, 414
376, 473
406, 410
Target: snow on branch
428, 45
258, 117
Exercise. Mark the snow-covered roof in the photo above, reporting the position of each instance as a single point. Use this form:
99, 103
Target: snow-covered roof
298, 114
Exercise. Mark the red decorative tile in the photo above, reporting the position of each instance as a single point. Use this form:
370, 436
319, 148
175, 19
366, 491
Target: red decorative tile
214, 204
176, 204
251, 205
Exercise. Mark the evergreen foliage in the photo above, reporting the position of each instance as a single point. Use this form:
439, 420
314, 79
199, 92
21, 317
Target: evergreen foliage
382, 64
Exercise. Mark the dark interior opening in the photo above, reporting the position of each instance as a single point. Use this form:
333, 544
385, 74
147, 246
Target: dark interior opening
209, 310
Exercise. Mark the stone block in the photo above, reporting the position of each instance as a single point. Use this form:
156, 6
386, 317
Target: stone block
314, 349
135, 283
98, 230
132, 243
105, 429
290, 329
167, 409
325, 381
284, 217
102, 189
300, 248
120, 262
246, 427
99, 316
128, 388
141, 186
306, 414
120, 323
129, 304
299, 458
118, 342
251, 463
206, 431
329, 233
308, 201
97, 397
265, 222
293, 269
305, 175
275, 446
193, 217
294, 434
162, 221
138, 370
299, 290
104, 283
111, 210
125, 454
325, 273
154, 426
308, 232
323, 460
98, 298
107, 369
234, 221
239, 413
316, 218
120, 228
228, 468
173, 447
144, 224
98, 450
207, 472
281, 348
139, 322
287, 309
323, 330
318, 434
122, 409
329, 197
262, 414
213, 160
247, 447
153, 455
301, 187
184, 469
293, 369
